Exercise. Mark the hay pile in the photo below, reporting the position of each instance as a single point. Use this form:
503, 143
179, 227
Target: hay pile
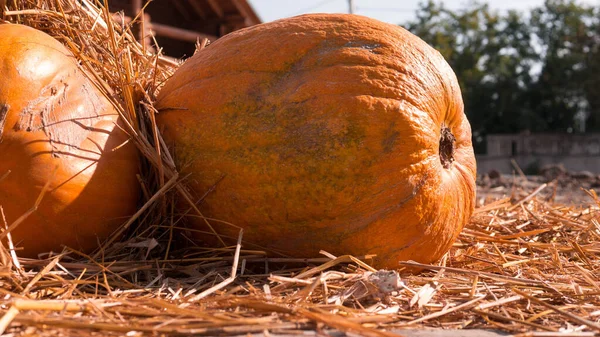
523, 264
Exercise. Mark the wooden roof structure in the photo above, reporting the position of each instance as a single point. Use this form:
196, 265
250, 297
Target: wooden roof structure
177, 25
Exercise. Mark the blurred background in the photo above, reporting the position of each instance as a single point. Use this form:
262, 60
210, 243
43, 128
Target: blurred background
529, 70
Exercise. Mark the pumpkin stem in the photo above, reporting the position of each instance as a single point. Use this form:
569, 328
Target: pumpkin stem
447, 141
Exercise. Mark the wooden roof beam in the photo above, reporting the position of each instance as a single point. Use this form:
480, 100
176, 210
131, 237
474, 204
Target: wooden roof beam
167, 31
244, 8
179, 34
181, 9
198, 9
215, 7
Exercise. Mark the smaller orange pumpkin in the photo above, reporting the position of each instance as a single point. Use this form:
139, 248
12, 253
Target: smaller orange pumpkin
56, 128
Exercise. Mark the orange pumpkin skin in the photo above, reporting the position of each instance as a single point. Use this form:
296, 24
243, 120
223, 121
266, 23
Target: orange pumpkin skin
56, 127
323, 132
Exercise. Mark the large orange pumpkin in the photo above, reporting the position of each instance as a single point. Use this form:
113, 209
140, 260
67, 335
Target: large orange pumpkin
56, 128
334, 132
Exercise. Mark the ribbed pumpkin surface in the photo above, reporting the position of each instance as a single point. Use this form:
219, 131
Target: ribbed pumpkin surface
332, 132
57, 128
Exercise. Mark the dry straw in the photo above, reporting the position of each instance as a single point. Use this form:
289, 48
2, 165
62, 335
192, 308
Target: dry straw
524, 265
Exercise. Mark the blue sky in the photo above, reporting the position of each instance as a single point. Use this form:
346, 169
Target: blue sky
392, 11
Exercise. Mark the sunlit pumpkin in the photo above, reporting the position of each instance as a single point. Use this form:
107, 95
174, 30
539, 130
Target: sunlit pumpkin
333, 132
57, 129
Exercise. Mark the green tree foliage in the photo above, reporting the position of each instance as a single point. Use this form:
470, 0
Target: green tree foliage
520, 71
567, 35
